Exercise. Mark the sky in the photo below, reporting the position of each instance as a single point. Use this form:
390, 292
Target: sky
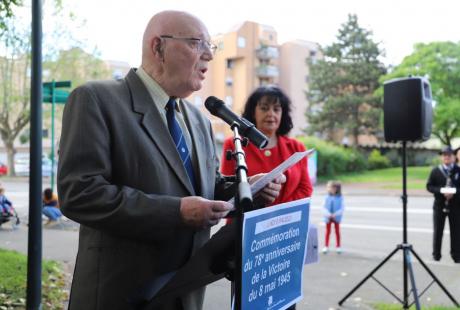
116, 27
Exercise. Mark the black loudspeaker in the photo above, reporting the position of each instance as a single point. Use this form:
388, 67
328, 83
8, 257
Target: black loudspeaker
407, 109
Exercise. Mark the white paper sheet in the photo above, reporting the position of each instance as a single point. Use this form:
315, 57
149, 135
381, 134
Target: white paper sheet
276, 172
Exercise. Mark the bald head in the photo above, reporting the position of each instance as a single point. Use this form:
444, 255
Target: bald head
176, 52
176, 23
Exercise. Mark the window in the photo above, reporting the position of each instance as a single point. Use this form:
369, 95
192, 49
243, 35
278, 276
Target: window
241, 42
313, 58
230, 63
229, 81
229, 101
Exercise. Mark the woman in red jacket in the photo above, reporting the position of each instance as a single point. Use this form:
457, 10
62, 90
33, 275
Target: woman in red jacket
269, 109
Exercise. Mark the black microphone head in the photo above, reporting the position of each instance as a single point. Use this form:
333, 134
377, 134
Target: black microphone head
213, 104
257, 138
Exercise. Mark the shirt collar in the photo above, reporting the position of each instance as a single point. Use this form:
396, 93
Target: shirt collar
159, 96
447, 167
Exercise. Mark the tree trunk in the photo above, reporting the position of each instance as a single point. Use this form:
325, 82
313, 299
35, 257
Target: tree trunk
355, 137
10, 151
443, 137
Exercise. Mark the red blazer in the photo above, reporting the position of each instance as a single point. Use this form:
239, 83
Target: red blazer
297, 184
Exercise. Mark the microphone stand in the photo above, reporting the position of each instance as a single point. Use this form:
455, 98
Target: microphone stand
243, 201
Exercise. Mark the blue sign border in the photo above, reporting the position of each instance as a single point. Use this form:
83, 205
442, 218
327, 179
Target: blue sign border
274, 249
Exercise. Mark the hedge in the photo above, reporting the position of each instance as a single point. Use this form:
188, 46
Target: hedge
334, 159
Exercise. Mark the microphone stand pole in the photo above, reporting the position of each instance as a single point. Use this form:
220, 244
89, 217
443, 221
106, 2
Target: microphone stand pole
243, 201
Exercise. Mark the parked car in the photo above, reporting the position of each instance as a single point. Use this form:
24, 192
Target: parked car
22, 165
3, 169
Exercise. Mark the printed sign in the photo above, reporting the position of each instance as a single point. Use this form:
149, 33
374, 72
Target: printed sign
274, 245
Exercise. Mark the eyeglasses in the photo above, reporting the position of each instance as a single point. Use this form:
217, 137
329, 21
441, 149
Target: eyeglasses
199, 45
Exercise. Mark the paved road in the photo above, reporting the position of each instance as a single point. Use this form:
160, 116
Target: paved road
372, 228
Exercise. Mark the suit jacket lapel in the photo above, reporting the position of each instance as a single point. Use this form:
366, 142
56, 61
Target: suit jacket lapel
154, 125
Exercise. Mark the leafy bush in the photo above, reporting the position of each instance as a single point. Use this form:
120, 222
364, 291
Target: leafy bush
434, 161
355, 161
414, 157
377, 161
333, 159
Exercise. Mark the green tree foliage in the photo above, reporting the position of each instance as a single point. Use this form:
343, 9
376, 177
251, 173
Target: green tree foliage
440, 63
6, 11
60, 63
14, 87
77, 66
342, 84
73, 65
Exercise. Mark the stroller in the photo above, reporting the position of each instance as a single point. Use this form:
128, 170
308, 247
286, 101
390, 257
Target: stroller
11, 217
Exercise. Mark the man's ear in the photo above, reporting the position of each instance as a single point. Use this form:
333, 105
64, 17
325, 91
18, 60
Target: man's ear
157, 47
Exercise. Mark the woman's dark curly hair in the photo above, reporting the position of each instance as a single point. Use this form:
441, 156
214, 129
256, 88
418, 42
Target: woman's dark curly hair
273, 94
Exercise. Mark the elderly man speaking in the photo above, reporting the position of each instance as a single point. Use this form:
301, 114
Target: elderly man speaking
138, 169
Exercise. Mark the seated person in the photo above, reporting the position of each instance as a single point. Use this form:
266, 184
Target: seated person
6, 207
51, 206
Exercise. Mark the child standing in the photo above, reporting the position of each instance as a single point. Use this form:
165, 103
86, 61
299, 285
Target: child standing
333, 210
6, 207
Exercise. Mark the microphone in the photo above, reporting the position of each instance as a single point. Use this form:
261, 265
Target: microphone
218, 108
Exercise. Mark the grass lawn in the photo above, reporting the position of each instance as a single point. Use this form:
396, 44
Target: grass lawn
398, 307
390, 178
13, 275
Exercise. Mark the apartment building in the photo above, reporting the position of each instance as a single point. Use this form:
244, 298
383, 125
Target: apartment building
248, 56
294, 78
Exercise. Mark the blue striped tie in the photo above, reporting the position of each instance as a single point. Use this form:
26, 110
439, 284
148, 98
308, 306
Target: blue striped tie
179, 140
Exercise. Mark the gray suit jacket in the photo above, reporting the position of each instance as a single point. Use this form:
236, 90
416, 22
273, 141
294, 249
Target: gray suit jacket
122, 179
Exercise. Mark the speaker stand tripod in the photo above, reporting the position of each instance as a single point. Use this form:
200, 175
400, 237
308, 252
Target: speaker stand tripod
407, 260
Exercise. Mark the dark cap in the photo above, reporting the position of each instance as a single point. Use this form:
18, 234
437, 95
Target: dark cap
447, 150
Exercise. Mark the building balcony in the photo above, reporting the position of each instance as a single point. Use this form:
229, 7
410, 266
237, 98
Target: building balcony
266, 71
267, 53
